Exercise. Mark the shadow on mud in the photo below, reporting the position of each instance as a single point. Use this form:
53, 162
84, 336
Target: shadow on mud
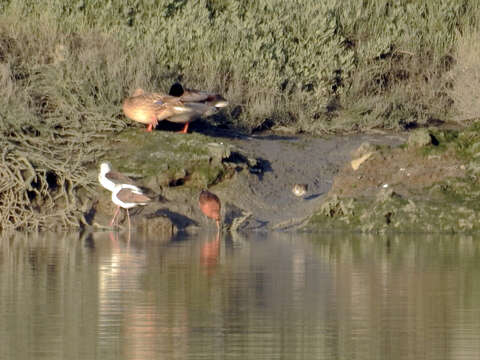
179, 220
226, 131
313, 196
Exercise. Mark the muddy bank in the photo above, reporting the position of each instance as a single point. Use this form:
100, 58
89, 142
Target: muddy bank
252, 175
428, 184
289, 160
425, 180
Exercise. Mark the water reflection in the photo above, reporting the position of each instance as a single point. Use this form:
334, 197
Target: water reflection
267, 296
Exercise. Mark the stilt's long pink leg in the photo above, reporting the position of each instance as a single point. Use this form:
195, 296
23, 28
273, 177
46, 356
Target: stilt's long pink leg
114, 216
129, 226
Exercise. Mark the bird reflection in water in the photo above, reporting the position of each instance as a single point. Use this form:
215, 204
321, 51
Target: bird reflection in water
209, 255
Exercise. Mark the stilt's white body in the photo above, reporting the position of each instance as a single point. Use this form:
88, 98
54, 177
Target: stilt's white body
109, 179
106, 183
126, 204
127, 196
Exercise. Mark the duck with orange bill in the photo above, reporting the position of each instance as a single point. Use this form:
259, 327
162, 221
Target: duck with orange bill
127, 196
150, 108
210, 206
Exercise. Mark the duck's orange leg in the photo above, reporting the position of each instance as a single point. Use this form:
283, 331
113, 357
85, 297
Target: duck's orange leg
184, 130
152, 124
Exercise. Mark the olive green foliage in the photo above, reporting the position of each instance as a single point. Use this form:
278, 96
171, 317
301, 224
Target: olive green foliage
465, 77
54, 113
319, 66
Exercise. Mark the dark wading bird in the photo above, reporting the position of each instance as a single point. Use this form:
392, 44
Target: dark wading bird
150, 108
209, 204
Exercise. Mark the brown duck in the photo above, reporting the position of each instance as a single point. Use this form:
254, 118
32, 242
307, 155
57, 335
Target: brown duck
150, 108
197, 96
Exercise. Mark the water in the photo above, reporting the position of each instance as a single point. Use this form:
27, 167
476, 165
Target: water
274, 296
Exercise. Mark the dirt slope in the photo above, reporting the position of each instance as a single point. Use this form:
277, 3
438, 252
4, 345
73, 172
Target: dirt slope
287, 160
259, 193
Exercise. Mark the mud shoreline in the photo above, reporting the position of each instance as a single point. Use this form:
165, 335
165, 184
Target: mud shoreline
255, 183
425, 180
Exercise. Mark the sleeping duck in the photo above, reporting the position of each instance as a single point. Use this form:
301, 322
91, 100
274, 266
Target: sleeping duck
150, 108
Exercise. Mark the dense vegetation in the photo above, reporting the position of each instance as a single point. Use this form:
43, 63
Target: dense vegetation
317, 66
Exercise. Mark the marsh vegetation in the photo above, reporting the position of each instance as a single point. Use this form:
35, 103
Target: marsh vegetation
317, 67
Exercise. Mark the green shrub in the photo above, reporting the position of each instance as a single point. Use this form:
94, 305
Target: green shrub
465, 77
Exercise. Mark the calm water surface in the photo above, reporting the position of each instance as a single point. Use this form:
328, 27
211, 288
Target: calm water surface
270, 296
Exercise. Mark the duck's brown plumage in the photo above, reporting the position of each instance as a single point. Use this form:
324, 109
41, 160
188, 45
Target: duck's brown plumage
210, 206
149, 108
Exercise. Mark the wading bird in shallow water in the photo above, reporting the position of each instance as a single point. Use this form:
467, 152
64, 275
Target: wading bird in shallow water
299, 189
127, 196
197, 96
210, 206
150, 108
108, 178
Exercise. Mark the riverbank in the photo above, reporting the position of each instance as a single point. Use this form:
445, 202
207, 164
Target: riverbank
252, 174
429, 184
423, 181
65, 68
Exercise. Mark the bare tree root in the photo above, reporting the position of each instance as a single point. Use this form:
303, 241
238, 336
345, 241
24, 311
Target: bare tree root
40, 180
